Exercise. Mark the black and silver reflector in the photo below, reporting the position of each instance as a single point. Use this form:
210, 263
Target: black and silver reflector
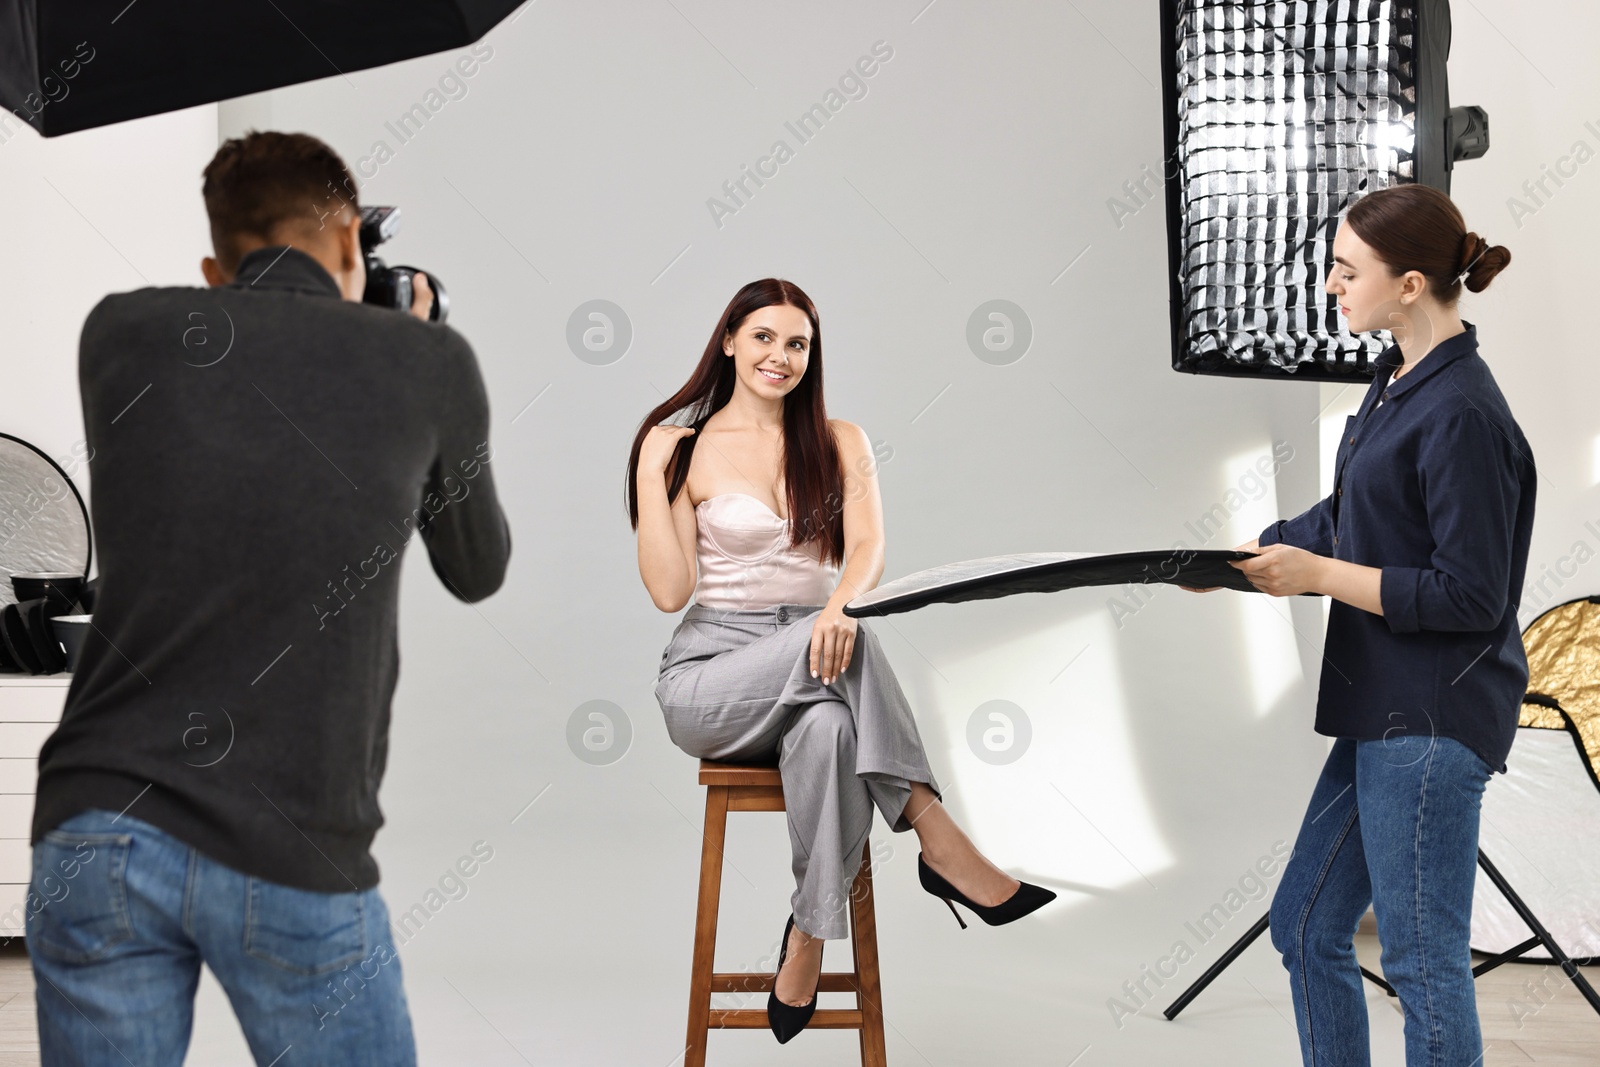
1278, 117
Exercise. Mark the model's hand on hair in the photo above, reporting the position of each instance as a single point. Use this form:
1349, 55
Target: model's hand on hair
421, 296
833, 638
659, 444
1282, 570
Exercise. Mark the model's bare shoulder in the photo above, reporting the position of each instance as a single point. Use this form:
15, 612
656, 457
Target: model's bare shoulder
852, 438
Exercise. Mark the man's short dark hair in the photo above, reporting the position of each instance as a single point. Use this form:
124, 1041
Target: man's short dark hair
266, 180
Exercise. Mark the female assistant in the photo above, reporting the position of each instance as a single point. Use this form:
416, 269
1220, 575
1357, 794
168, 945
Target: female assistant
1422, 546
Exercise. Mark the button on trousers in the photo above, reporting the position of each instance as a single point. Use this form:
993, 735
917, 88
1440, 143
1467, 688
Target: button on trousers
737, 686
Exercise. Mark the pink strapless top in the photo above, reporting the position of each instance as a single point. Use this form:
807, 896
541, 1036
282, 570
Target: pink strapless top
746, 562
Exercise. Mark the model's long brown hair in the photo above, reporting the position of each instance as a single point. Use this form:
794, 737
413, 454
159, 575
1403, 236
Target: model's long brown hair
813, 476
1418, 227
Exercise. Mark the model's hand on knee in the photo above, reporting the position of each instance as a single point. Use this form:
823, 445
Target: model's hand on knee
833, 638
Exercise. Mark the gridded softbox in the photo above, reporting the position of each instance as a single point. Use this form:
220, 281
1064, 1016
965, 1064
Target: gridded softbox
1279, 115
1541, 820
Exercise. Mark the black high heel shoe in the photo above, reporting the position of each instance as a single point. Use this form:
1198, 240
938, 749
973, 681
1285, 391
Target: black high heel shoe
786, 1020
1028, 898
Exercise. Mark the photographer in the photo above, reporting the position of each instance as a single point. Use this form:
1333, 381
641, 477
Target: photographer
264, 450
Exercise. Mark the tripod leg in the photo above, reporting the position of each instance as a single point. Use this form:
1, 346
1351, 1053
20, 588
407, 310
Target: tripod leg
1216, 968
1567, 966
1379, 982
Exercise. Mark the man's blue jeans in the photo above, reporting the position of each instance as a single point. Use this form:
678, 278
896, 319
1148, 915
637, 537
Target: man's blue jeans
120, 917
1393, 823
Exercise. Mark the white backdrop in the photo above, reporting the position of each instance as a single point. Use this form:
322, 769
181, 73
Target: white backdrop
1170, 747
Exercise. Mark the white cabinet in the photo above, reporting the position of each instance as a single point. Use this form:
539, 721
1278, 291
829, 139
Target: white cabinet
30, 708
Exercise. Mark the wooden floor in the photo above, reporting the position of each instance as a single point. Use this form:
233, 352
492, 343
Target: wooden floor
19, 1032
1530, 1013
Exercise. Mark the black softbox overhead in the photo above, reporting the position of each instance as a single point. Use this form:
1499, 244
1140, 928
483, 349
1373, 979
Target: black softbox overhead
1279, 115
74, 64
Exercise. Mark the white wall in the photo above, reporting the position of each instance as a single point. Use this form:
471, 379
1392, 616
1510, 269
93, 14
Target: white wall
1541, 89
88, 213
1165, 760
1172, 752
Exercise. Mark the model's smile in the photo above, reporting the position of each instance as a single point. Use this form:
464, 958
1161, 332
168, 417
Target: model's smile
773, 375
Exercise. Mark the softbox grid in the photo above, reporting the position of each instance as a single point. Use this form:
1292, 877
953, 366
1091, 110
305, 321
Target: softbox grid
1279, 116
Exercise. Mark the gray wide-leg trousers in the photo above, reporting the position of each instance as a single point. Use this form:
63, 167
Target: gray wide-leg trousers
737, 686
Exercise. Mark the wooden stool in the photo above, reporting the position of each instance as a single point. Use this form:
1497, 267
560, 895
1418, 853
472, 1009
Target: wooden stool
740, 787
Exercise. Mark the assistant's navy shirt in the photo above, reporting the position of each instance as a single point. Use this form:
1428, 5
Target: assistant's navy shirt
1436, 487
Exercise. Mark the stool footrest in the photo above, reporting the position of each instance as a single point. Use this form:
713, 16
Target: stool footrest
823, 1019
832, 982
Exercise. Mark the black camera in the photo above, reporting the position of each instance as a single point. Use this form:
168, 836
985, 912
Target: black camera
387, 286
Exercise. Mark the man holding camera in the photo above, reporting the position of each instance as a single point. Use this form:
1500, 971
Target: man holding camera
264, 450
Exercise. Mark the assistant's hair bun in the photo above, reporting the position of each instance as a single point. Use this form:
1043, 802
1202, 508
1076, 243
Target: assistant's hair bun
1481, 261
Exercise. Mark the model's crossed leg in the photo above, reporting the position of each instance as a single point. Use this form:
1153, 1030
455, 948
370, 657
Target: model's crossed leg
945, 848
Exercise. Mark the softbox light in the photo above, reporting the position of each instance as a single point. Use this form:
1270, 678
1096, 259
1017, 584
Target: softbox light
68, 65
1278, 117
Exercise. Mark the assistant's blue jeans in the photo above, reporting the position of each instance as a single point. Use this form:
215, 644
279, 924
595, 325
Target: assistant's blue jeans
120, 916
1392, 823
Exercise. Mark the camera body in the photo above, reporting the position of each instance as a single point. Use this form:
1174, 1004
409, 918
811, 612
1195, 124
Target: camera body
387, 286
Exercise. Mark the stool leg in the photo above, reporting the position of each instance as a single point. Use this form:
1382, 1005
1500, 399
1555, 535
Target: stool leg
705, 924
864, 947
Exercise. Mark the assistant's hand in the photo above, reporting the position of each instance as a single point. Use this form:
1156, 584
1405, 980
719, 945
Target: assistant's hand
833, 638
1283, 570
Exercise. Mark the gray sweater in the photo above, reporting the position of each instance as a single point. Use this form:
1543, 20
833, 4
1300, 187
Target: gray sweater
262, 454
